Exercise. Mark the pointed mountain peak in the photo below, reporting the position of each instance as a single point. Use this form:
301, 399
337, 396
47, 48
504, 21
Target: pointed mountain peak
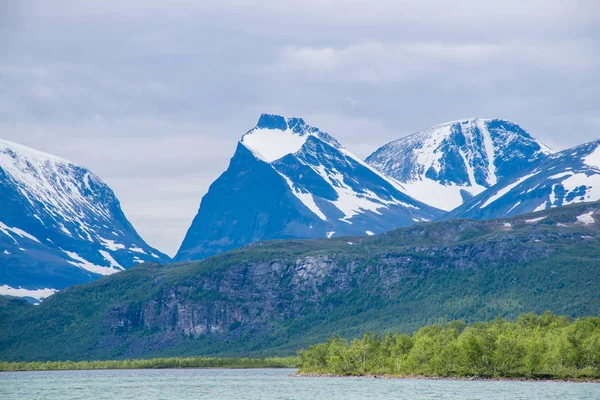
279, 122
272, 121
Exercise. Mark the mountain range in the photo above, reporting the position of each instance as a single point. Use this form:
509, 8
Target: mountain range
61, 225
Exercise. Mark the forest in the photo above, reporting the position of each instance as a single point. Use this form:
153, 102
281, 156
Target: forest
533, 347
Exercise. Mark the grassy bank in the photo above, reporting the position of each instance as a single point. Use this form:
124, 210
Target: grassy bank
155, 363
533, 347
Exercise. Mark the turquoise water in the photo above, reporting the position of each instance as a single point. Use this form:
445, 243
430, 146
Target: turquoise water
266, 384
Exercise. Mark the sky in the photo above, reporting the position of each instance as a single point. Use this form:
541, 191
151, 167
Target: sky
153, 96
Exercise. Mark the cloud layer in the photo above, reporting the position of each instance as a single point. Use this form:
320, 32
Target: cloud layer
153, 95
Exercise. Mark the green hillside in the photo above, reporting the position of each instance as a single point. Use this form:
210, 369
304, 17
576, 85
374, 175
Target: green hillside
273, 298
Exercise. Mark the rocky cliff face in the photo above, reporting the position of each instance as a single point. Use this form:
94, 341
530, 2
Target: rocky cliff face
256, 295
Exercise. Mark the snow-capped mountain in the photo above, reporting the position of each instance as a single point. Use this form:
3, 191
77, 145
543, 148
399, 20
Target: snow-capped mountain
59, 225
290, 180
450, 163
570, 176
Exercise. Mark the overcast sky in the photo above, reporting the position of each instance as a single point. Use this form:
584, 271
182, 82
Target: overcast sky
153, 95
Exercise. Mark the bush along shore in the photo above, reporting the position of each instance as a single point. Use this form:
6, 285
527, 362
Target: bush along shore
156, 363
545, 347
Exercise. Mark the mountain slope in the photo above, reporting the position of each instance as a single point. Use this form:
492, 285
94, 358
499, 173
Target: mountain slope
290, 180
568, 177
276, 297
449, 163
59, 225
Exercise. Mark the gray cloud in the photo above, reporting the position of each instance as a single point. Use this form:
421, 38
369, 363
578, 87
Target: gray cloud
153, 95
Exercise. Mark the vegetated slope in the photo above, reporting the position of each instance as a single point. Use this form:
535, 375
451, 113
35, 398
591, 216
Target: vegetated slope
568, 177
59, 225
276, 297
290, 180
448, 164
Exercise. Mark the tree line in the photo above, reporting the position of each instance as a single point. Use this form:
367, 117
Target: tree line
202, 362
535, 346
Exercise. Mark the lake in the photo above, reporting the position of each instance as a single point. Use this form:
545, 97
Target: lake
265, 384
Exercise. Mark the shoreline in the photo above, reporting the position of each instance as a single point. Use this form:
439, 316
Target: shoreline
446, 378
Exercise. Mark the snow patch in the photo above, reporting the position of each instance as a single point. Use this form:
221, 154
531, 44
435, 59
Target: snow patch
137, 249
561, 175
593, 159
444, 197
272, 144
111, 244
587, 218
351, 202
576, 181
19, 232
489, 150
88, 266
113, 263
306, 198
507, 189
535, 220
38, 294
330, 234
369, 233
513, 207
